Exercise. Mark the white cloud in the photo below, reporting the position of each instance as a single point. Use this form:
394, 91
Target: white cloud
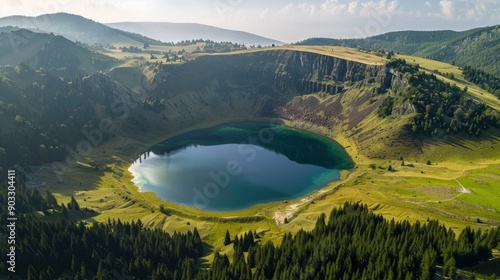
264, 13
353, 7
447, 8
341, 9
333, 7
475, 10
287, 9
377, 7
428, 4
309, 8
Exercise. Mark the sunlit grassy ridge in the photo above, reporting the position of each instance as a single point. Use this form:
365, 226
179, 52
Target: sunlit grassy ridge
431, 66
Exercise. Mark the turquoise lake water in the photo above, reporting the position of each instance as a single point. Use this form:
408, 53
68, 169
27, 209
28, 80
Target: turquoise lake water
238, 165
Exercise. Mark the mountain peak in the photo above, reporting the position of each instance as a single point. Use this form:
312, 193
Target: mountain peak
75, 28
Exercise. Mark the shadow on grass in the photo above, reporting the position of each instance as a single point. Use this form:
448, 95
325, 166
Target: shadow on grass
81, 215
73, 215
207, 251
489, 268
464, 140
71, 180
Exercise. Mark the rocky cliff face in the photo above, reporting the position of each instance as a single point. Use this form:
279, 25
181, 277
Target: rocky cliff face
307, 87
320, 73
277, 72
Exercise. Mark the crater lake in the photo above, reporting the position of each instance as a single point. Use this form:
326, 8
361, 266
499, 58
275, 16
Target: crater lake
238, 165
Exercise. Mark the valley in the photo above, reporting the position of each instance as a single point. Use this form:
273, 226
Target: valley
416, 191
425, 144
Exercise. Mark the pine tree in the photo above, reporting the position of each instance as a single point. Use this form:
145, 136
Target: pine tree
64, 211
50, 199
449, 268
227, 238
32, 274
73, 204
251, 257
100, 268
236, 242
320, 226
74, 264
83, 270
428, 264
78, 276
43, 205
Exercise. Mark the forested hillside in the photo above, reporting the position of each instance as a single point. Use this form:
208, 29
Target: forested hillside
486, 81
42, 116
55, 54
477, 47
440, 106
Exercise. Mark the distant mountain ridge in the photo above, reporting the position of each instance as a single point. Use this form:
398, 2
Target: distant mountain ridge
176, 32
476, 47
78, 28
75, 28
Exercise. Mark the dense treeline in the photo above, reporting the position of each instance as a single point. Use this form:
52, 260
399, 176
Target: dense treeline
210, 45
206, 46
49, 249
357, 244
439, 106
27, 201
221, 47
486, 81
105, 250
131, 49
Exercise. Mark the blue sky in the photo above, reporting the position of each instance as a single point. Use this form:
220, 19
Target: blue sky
288, 21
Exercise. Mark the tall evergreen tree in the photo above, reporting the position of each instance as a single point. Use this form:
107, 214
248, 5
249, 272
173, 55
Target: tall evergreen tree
73, 204
450, 268
227, 238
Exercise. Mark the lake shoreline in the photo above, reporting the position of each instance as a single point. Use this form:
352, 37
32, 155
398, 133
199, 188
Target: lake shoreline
299, 147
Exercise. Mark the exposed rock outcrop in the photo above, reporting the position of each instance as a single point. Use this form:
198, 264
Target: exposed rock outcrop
275, 72
311, 88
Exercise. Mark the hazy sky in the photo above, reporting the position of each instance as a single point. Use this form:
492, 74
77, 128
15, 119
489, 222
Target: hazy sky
287, 21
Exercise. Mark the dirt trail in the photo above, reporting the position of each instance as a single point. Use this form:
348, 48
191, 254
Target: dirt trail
464, 189
288, 212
